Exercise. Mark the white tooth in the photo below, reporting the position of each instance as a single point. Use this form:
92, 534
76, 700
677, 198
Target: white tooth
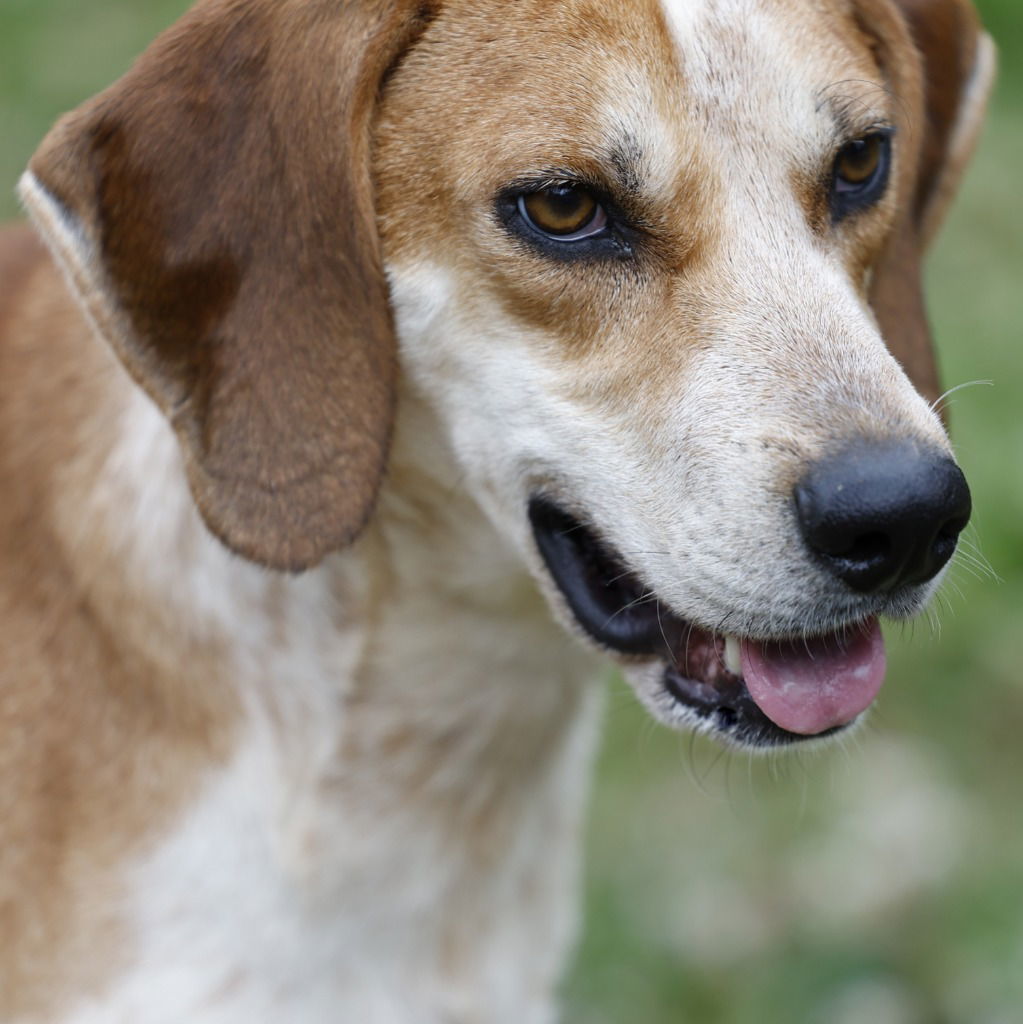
733, 659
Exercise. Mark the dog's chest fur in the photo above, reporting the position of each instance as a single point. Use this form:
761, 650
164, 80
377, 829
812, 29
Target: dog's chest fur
394, 826
314, 909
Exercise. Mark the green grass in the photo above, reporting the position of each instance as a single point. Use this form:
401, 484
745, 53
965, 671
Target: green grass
880, 883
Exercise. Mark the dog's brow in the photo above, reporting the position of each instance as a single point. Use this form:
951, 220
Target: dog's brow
856, 106
626, 159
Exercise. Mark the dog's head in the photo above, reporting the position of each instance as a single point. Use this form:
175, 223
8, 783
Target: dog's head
654, 266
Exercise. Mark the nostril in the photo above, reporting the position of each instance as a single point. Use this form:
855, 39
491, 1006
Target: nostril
944, 545
951, 530
946, 538
868, 547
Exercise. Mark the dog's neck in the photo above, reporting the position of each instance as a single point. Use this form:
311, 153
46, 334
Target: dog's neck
404, 724
430, 622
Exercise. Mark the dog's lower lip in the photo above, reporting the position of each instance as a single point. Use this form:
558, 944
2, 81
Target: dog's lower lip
614, 607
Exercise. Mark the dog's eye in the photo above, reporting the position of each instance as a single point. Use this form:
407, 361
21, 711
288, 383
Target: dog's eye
860, 173
858, 162
566, 213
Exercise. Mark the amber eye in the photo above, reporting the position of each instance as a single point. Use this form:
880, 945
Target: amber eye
860, 173
858, 161
567, 213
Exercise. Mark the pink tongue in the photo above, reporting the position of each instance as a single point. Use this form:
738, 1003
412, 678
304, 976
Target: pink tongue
807, 687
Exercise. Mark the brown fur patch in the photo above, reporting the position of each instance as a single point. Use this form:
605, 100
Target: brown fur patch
228, 194
927, 52
101, 740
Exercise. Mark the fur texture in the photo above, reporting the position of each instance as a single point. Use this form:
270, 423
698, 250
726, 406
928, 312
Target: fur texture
235, 792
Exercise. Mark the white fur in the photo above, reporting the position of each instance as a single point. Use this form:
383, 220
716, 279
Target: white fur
232, 923
297, 889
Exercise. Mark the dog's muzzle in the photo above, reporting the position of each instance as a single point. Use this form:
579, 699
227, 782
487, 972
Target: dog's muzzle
767, 692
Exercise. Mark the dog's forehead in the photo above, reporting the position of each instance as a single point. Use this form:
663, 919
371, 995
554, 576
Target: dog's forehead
771, 74
766, 62
669, 80
694, 112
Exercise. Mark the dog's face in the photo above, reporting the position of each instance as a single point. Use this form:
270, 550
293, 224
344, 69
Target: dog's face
630, 249
648, 263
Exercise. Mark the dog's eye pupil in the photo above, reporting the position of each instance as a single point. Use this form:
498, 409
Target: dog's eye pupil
563, 211
858, 162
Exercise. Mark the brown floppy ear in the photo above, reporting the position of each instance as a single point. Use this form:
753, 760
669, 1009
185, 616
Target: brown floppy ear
214, 210
941, 73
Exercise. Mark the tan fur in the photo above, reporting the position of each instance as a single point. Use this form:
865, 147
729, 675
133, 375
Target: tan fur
101, 721
306, 334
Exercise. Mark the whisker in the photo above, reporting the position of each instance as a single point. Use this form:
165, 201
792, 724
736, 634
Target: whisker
943, 602
969, 548
977, 567
660, 626
937, 405
685, 647
714, 762
650, 595
974, 570
849, 101
694, 775
621, 576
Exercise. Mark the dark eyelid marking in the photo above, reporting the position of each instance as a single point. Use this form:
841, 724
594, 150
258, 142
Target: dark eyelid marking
615, 242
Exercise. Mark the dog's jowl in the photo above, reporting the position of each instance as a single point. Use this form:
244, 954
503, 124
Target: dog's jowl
388, 366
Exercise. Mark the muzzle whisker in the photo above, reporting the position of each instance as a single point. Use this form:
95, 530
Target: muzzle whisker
940, 402
969, 551
621, 576
976, 571
635, 603
950, 583
660, 626
942, 600
692, 771
715, 761
685, 647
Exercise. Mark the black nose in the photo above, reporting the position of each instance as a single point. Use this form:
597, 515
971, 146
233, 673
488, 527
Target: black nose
882, 515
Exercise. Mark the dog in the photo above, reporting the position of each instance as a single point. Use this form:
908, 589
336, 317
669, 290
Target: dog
402, 339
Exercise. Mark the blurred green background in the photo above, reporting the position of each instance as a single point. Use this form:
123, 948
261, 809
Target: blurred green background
880, 882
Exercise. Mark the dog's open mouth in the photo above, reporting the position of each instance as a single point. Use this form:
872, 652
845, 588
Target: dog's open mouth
761, 693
